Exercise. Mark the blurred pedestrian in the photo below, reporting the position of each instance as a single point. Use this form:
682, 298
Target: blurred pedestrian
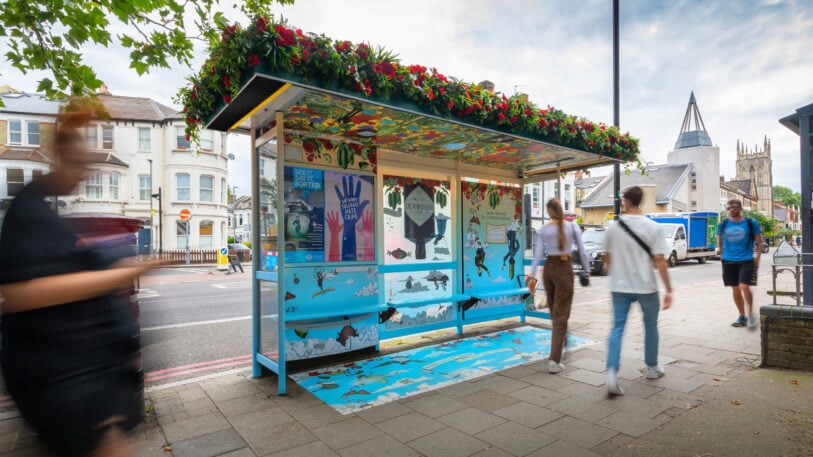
556, 239
634, 244
737, 236
66, 334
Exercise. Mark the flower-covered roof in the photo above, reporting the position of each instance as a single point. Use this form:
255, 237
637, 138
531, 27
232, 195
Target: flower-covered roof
361, 96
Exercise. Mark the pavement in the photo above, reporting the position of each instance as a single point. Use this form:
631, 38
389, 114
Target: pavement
714, 401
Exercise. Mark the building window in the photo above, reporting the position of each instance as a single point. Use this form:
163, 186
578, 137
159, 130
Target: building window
33, 129
144, 139
567, 205
567, 187
144, 188
207, 184
93, 186
223, 191
107, 137
535, 198
206, 232
181, 235
182, 184
15, 181
92, 137
15, 131
694, 187
206, 141
229, 219
240, 220
181, 141
262, 168
114, 185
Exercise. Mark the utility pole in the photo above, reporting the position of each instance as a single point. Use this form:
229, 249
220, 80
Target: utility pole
160, 220
616, 112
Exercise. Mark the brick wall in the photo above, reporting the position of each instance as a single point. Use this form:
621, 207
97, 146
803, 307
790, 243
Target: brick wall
787, 336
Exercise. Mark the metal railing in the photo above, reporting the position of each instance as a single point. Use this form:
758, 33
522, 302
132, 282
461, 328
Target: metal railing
796, 264
199, 256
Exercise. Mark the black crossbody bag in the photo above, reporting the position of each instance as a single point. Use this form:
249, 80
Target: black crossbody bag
639, 240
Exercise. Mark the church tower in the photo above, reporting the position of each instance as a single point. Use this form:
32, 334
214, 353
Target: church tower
694, 146
757, 164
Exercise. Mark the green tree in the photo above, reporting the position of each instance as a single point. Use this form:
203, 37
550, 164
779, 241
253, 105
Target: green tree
768, 225
788, 196
50, 35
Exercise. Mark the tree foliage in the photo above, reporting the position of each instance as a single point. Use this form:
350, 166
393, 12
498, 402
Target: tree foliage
51, 35
788, 196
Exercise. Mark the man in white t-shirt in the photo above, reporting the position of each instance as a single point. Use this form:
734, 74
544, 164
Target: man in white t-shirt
632, 278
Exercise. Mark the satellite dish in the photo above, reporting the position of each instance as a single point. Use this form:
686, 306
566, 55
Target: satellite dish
230, 156
61, 203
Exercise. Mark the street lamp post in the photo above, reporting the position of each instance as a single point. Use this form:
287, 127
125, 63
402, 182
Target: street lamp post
152, 227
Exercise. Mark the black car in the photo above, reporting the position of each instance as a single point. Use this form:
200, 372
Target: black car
594, 245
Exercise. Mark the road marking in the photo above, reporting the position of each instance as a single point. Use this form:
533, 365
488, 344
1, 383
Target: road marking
148, 293
193, 324
198, 379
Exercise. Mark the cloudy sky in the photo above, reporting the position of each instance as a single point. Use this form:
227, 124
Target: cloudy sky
747, 61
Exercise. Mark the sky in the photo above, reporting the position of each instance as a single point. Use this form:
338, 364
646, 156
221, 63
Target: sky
747, 62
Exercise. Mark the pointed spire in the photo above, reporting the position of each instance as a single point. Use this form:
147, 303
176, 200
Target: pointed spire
690, 137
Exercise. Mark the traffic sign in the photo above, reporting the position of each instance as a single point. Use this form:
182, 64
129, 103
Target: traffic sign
186, 214
224, 251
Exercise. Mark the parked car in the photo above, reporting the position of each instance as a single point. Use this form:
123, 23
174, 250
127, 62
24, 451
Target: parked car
594, 245
242, 251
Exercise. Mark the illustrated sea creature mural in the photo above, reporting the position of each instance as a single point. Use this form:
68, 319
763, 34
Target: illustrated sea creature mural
399, 254
345, 334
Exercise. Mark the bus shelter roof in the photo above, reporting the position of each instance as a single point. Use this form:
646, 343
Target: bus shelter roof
334, 113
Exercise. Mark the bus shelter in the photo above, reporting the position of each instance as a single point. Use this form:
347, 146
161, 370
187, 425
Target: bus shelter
387, 199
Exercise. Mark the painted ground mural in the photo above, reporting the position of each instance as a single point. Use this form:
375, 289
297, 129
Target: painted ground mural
359, 385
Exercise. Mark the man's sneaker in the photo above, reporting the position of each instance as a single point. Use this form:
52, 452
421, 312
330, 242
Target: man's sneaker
740, 322
612, 383
555, 367
752, 322
655, 372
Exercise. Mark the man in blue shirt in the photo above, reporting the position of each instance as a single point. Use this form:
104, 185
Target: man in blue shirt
740, 266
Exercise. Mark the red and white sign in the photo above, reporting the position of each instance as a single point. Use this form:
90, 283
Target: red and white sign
186, 214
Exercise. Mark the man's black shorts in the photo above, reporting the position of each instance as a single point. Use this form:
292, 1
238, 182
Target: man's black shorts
736, 273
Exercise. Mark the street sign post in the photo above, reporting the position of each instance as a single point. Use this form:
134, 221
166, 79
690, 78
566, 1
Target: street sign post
185, 216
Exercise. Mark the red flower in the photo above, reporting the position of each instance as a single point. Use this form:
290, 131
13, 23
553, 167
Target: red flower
372, 155
441, 90
285, 36
227, 98
288, 138
543, 123
513, 119
305, 54
451, 104
227, 80
227, 32
187, 137
501, 117
592, 143
309, 147
262, 24
253, 60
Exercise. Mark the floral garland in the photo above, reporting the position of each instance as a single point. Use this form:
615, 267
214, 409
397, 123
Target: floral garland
394, 188
330, 151
378, 73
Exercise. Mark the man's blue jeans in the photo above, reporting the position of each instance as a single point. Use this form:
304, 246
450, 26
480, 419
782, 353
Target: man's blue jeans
650, 305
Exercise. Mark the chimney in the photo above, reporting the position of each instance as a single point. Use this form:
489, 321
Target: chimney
487, 85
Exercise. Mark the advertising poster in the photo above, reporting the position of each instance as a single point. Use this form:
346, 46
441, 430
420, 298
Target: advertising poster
492, 233
304, 215
349, 217
417, 215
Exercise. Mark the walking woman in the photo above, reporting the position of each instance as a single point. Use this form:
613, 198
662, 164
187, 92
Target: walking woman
555, 240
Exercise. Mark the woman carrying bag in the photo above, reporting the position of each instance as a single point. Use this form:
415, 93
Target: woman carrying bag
556, 239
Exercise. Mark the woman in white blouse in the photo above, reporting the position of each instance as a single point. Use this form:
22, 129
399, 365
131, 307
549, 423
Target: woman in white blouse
555, 241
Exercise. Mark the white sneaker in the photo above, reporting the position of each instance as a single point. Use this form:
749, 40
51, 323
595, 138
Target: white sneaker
655, 372
612, 383
554, 367
753, 322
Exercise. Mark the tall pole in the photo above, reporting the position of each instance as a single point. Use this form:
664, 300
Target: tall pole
187, 241
160, 223
616, 112
152, 226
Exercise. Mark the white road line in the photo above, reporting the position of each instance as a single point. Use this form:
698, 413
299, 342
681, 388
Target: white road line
193, 324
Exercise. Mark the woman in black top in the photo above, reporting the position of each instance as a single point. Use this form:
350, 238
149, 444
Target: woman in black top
66, 335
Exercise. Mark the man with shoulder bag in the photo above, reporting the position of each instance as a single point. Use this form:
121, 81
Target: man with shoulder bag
632, 241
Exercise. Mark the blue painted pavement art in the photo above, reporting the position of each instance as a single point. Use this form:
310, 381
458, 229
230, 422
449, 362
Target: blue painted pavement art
355, 386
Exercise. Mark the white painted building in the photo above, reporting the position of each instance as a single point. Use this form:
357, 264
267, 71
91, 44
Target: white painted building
140, 149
